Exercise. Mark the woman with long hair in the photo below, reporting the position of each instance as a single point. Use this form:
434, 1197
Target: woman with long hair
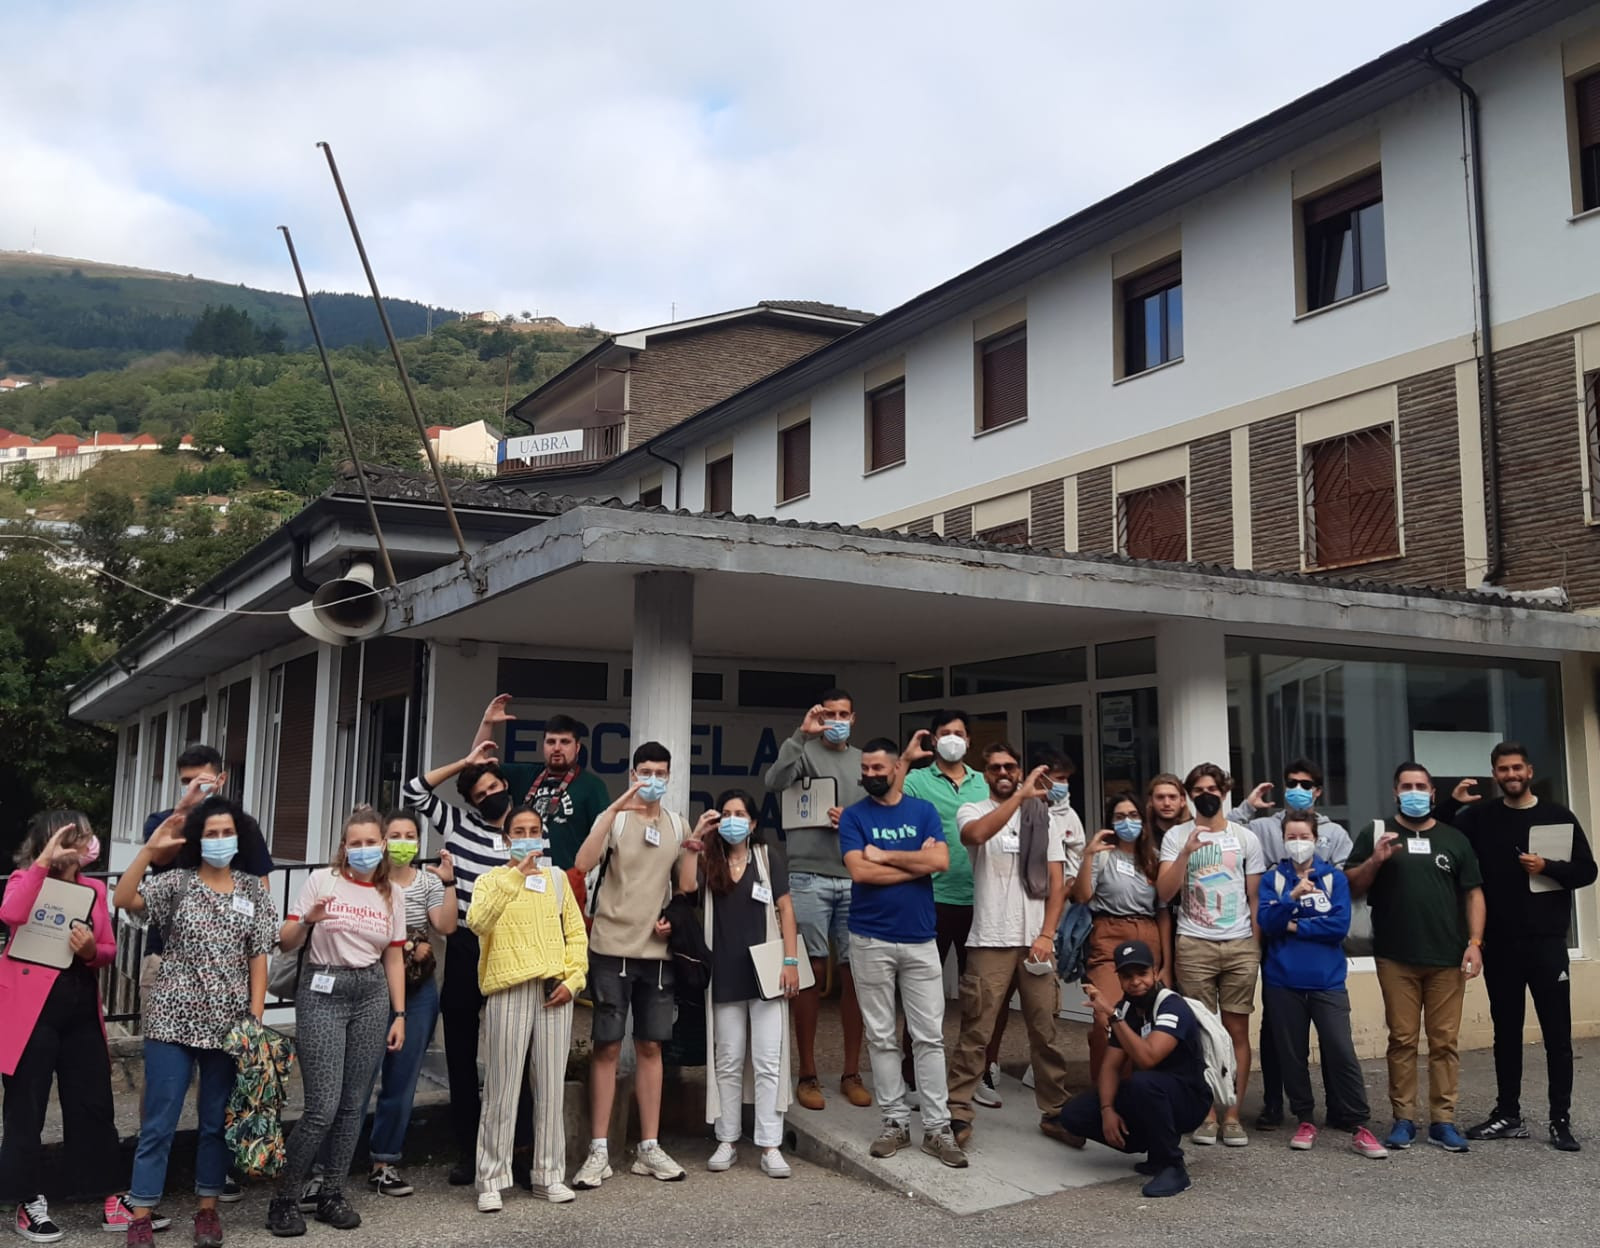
217, 923
1118, 884
350, 1004
747, 903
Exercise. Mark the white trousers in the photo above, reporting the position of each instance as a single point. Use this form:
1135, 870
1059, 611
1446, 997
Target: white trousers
518, 1027
758, 1026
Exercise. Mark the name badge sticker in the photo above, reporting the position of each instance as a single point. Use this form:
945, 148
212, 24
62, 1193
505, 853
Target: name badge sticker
535, 883
1419, 845
1010, 843
652, 836
322, 982
243, 905
762, 893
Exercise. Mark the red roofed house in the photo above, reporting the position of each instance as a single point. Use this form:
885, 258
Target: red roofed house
15, 446
64, 443
108, 442
145, 441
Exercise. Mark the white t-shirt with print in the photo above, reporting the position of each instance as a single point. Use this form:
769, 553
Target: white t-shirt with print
1064, 822
1003, 915
1214, 903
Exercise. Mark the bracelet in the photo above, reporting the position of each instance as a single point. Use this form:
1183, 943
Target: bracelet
791, 961
1475, 940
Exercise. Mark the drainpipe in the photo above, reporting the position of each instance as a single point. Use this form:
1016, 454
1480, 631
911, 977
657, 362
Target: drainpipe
1490, 428
677, 476
297, 566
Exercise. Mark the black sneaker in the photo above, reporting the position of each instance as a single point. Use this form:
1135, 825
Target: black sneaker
232, 1191
1171, 1181
1499, 1126
387, 1181
335, 1210
1561, 1137
462, 1174
1269, 1119
284, 1218
1148, 1168
311, 1194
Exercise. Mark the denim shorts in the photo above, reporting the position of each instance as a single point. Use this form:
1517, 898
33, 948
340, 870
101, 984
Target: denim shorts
822, 913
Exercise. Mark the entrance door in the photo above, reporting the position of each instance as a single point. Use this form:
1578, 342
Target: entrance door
1065, 728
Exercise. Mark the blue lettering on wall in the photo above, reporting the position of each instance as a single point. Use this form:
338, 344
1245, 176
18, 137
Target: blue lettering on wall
696, 767
610, 756
766, 753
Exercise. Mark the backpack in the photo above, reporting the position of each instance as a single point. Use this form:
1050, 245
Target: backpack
1072, 942
1216, 1046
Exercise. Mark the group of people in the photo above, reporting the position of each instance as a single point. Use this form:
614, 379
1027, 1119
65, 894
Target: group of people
545, 889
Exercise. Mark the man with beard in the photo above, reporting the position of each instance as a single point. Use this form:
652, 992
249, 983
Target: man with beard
1529, 906
1152, 1085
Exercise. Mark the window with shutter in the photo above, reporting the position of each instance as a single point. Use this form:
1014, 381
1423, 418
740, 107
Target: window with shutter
1591, 430
1351, 508
794, 462
1155, 522
1152, 317
651, 497
1013, 534
1003, 362
1344, 241
886, 426
719, 485
1587, 99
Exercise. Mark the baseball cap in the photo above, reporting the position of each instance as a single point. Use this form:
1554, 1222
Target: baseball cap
1133, 953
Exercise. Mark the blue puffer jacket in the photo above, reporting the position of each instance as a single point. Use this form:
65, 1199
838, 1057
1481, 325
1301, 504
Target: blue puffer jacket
1310, 958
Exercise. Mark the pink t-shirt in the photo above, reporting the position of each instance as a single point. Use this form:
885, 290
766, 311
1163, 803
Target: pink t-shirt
359, 926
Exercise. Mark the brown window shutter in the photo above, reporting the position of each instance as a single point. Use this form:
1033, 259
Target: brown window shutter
719, 485
291, 807
1157, 523
1013, 534
1005, 380
1352, 509
886, 433
1346, 198
795, 447
236, 735
651, 497
1587, 91
1143, 285
391, 669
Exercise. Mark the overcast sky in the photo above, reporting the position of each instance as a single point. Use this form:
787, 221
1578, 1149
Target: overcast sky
601, 162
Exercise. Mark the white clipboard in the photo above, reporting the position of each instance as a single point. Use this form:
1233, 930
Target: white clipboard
1553, 840
807, 801
42, 940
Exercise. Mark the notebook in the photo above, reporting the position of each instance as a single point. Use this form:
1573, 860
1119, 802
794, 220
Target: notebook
42, 940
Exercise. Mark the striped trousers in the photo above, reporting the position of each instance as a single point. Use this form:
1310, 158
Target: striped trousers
518, 1027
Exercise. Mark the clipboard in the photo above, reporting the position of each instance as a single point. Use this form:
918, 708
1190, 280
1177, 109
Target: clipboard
807, 801
1551, 840
42, 940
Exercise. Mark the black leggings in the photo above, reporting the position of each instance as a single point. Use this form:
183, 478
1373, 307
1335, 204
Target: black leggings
1512, 970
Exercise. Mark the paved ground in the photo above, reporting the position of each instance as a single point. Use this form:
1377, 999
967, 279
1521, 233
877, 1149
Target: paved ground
1502, 1194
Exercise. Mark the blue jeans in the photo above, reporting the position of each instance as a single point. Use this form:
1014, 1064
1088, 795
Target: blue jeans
400, 1070
167, 1071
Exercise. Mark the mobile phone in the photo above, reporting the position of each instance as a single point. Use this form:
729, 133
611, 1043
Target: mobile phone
550, 986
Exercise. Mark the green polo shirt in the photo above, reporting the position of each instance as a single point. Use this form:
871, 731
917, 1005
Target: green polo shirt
952, 887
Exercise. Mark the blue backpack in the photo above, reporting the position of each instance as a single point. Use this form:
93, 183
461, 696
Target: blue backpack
1072, 942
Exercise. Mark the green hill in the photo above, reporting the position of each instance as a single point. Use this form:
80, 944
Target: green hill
64, 318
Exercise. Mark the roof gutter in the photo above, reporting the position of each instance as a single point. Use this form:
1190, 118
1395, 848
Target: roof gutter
1488, 419
677, 474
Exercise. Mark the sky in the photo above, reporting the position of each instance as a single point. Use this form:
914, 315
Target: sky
618, 163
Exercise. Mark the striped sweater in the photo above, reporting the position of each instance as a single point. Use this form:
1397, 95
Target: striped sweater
475, 845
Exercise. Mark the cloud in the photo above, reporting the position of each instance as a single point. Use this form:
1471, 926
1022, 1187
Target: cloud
602, 164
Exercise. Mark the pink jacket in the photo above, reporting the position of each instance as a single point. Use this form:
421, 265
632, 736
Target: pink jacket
24, 986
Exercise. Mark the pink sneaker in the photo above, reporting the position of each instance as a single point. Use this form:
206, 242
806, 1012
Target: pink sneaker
1365, 1143
1304, 1137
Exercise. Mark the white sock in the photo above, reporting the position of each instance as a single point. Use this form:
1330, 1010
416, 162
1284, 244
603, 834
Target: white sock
599, 1146
646, 1144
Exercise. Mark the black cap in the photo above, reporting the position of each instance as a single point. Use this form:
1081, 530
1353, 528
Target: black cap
1134, 953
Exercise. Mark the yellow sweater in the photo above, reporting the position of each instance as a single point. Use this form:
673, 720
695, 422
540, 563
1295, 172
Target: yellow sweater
523, 934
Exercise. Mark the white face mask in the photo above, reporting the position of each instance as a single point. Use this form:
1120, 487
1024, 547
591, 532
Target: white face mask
951, 748
1300, 852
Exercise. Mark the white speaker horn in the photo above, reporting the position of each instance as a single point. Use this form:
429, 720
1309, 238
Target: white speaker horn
345, 609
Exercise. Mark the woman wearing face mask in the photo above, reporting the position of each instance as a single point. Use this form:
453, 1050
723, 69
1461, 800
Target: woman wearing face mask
535, 958
430, 902
349, 1005
52, 1028
1117, 883
217, 924
747, 903
1304, 911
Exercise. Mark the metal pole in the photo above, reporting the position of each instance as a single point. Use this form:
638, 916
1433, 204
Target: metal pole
344, 420
478, 582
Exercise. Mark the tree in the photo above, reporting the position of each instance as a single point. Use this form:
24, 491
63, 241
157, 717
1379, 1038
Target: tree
105, 541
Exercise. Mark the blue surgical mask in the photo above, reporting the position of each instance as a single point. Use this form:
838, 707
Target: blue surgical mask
218, 851
1414, 804
522, 846
364, 858
1298, 799
1059, 793
652, 788
1128, 829
837, 731
733, 828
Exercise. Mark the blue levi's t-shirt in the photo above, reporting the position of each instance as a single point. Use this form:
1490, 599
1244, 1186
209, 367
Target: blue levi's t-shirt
902, 913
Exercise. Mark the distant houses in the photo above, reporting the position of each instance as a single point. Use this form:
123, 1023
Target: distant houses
15, 446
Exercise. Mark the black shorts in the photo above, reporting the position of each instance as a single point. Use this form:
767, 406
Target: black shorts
645, 984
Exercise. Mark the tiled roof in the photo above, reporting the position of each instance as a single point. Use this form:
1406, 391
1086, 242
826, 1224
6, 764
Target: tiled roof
59, 439
813, 308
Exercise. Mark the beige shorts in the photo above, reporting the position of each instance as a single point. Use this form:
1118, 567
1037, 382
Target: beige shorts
1220, 974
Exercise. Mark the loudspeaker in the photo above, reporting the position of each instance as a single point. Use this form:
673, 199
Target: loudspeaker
345, 609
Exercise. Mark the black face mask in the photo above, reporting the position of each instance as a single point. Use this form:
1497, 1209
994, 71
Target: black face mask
1207, 805
876, 786
493, 808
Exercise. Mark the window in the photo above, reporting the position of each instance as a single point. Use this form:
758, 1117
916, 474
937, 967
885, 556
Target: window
1013, 534
719, 485
794, 462
703, 686
651, 497
1351, 512
552, 680
923, 685
1152, 318
886, 426
795, 691
1027, 671
1003, 379
1587, 93
1591, 431
1114, 660
1154, 522
1344, 242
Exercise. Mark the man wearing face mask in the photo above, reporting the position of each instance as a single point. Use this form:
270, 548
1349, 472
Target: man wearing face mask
1422, 880
819, 886
1020, 892
1302, 790
1216, 866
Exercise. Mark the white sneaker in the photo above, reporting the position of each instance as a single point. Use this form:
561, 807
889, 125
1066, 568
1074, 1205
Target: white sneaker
652, 1161
557, 1193
723, 1158
489, 1202
1027, 1076
773, 1165
596, 1167
985, 1093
